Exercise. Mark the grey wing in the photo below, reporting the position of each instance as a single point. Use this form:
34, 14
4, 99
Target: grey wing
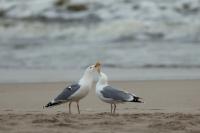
115, 94
67, 92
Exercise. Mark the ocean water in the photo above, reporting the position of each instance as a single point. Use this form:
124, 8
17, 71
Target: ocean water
125, 34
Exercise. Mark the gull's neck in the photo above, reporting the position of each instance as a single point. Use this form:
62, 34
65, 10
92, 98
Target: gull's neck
87, 79
103, 81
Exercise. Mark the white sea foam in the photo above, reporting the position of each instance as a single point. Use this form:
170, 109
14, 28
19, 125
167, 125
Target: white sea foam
121, 33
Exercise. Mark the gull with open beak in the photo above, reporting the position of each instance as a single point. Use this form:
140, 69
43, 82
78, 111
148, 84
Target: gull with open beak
77, 91
112, 95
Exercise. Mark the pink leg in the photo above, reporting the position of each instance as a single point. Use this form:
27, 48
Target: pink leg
78, 107
70, 107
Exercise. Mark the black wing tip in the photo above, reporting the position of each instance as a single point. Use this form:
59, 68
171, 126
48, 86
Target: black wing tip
51, 104
137, 100
48, 105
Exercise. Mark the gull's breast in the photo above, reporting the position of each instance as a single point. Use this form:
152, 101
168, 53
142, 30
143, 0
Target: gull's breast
81, 93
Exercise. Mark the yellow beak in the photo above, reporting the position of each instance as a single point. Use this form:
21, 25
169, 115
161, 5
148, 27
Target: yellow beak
98, 66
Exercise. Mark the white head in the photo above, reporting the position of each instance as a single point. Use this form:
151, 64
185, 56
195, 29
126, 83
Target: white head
90, 71
88, 76
103, 79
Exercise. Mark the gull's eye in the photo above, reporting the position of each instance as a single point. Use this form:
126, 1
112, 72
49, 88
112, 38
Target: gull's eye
90, 67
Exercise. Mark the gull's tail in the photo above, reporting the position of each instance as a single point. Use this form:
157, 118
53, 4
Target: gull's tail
53, 103
137, 99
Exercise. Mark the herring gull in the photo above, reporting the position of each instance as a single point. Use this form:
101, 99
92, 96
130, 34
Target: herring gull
110, 94
75, 92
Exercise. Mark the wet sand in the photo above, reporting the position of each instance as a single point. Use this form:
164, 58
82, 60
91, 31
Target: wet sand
170, 106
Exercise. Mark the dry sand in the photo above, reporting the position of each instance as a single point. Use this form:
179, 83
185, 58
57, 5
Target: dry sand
170, 106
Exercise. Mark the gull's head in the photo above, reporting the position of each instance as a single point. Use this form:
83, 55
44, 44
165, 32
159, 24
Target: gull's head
91, 69
88, 75
103, 79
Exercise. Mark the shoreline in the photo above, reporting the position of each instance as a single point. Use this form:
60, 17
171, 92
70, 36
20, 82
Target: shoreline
115, 74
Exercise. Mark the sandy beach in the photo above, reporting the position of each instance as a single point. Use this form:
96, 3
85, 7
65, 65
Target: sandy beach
170, 106
147, 47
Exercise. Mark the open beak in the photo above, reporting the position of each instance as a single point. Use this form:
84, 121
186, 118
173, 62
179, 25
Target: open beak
98, 66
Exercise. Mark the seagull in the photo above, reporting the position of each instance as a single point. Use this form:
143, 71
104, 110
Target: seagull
75, 92
111, 95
